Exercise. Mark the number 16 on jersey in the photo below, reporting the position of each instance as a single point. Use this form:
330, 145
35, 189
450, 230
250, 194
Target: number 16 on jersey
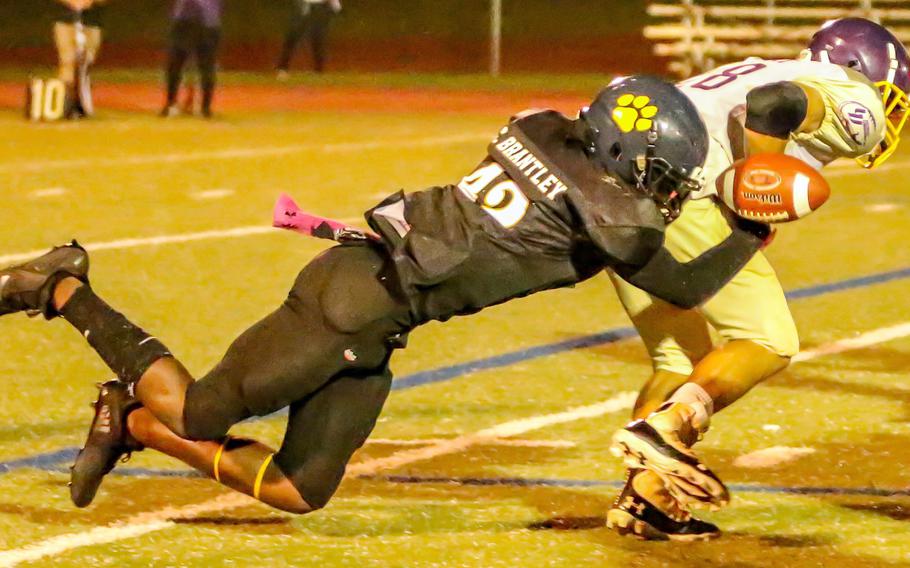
502, 200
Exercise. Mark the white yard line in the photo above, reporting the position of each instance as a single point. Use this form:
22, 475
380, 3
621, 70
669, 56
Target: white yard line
771, 457
211, 194
777, 455
161, 240
883, 207
239, 153
868, 339
504, 430
260, 229
150, 241
493, 442
221, 154
47, 192
154, 521
146, 523
132, 527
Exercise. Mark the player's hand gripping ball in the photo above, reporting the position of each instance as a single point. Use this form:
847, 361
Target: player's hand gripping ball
772, 188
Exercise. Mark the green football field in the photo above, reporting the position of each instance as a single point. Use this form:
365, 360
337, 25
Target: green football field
493, 449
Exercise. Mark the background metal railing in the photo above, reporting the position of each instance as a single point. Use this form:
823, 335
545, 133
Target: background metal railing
699, 35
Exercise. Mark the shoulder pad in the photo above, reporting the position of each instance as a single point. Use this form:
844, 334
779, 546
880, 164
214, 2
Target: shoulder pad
854, 118
776, 109
531, 112
854, 75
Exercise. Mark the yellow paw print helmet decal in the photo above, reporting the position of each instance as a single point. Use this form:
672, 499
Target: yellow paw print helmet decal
634, 113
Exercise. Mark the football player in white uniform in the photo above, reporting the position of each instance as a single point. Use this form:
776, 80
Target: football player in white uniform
844, 97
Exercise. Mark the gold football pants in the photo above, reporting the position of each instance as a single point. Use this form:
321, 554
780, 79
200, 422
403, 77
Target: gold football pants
750, 307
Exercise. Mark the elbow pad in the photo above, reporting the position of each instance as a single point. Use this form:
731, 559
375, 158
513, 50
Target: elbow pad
777, 109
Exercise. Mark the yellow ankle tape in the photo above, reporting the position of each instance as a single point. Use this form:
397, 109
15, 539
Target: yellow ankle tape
259, 476
217, 464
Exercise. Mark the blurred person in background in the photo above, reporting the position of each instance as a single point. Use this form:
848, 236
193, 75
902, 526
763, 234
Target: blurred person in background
196, 30
77, 36
310, 18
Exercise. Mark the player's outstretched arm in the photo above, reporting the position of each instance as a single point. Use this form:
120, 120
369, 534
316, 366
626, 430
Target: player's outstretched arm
690, 284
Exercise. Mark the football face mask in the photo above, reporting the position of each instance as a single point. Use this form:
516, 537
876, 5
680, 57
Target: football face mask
897, 105
666, 184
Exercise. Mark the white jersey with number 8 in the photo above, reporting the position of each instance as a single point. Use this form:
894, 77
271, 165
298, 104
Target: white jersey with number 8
854, 121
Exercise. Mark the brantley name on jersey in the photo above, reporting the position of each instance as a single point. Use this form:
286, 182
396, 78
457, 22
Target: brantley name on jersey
530, 165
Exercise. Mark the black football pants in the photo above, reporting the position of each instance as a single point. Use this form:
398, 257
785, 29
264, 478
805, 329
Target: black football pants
314, 25
192, 38
324, 353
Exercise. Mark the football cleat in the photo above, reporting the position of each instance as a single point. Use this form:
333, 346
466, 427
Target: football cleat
29, 286
108, 441
169, 111
654, 444
646, 510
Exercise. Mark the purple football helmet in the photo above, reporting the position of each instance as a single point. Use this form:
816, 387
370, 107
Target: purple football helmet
870, 49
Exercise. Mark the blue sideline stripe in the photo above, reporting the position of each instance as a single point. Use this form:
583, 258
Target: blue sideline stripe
41, 461
850, 284
488, 481
506, 359
539, 482
453, 371
55, 467
613, 335
547, 482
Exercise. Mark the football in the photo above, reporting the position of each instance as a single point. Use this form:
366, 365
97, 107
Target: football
773, 188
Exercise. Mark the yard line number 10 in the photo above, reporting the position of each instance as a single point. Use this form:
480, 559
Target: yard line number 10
46, 100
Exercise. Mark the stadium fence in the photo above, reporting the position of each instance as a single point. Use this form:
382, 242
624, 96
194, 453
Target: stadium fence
699, 35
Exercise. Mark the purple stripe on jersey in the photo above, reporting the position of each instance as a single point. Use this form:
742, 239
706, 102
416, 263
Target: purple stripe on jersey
206, 12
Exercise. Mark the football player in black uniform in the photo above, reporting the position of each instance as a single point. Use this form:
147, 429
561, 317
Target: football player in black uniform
554, 202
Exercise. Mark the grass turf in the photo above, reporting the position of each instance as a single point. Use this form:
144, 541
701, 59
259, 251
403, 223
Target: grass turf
585, 83
850, 408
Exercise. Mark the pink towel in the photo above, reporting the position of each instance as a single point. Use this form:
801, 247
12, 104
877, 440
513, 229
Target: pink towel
288, 215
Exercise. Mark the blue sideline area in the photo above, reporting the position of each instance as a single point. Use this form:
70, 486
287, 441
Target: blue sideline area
540, 482
50, 460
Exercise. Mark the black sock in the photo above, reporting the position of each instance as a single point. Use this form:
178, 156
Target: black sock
125, 348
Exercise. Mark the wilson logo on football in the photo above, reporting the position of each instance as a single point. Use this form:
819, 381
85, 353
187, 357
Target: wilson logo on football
762, 180
772, 188
767, 198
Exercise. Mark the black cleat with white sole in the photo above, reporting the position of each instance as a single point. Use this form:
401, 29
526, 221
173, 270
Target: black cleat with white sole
691, 482
108, 441
634, 515
29, 286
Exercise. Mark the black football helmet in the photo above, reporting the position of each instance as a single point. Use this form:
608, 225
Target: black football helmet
647, 133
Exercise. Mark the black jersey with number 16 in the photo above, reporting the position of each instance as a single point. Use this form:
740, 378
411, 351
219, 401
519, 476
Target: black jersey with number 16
535, 214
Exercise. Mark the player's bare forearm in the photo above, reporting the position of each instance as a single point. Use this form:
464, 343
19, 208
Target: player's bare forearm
758, 143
